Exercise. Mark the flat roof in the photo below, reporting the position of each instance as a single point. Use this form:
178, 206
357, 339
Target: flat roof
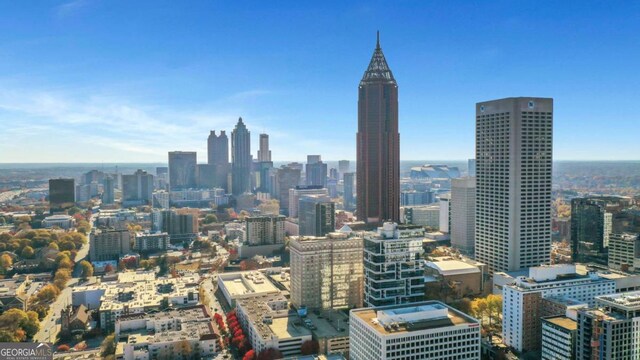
453, 267
285, 327
563, 322
248, 282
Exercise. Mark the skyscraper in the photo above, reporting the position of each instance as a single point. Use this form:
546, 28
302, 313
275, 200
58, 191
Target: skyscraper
589, 224
182, 170
317, 215
264, 154
349, 182
108, 196
463, 214
513, 182
343, 166
62, 194
241, 159
218, 157
137, 188
287, 178
316, 171
378, 152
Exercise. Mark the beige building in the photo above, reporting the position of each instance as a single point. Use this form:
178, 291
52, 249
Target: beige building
462, 277
109, 244
327, 272
463, 214
624, 252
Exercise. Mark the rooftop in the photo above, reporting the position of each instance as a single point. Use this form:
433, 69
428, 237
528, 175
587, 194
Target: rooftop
270, 316
246, 282
452, 267
563, 322
627, 301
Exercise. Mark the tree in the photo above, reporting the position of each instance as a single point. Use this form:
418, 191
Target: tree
48, 293
54, 246
310, 347
250, 355
74, 210
32, 324
269, 354
27, 252
248, 264
83, 227
108, 346
87, 269
67, 246
7, 336
61, 278
494, 308
209, 219
63, 348
6, 261
480, 308
108, 268
12, 319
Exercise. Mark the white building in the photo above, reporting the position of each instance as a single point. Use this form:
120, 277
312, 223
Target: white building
444, 221
175, 334
394, 270
624, 252
327, 272
521, 327
245, 284
145, 242
423, 215
62, 221
513, 182
425, 330
299, 191
463, 214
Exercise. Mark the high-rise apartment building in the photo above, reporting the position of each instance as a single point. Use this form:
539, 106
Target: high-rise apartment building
463, 214
287, 178
108, 244
423, 330
182, 170
241, 159
62, 194
513, 182
303, 190
180, 224
327, 272
611, 330
349, 182
265, 230
378, 143
108, 190
624, 252
590, 229
521, 328
137, 188
394, 269
315, 171
317, 215
264, 154
218, 157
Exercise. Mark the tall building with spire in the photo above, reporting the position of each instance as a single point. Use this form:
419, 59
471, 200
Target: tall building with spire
241, 159
378, 152
218, 157
264, 154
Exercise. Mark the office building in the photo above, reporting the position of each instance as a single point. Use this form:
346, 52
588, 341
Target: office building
344, 166
317, 215
218, 157
109, 244
378, 143
513, 182
611, 330
265, 175
414, 197
590, 229
327, 272
182, 170
180, 224
299, 191
426, 215
349, 181
423, 330
108, 192
162, 178
265, 230
264, 154
62, 194
206, 176
61, 221
559, 337
137, 189
240, 159
176, 334
315, 171
521, 328
83, 193
624, 252
463, 214
444, 204
394, 269
471, 168
287, 178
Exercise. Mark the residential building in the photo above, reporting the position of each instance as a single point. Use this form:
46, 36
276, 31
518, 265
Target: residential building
315, 171
327, 272
423, 330
108, 244
13, 295
180, 224
62, 194
378, 143
74, 321
559, 337
611, 330
303, 190
175, 334
108, 192
317, 215
240, 159
265, 230
137, 189
394, 270
182, 170
521, 326
463, 214
146, 242
513, 182
624, 252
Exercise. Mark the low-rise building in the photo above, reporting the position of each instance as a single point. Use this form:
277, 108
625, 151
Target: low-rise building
62, 221
176, 334
245, 284
624, 252
424, 330
146, 242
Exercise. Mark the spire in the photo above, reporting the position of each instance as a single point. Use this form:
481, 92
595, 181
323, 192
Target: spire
378, 69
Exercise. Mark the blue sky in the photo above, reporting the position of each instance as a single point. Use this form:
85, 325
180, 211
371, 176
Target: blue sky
127, 81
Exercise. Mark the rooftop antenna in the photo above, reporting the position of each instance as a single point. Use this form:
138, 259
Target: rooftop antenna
378, 39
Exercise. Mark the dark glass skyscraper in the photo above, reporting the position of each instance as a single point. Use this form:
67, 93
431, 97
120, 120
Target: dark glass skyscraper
182, 170
241, 159
378, 153
218, 158
590, 229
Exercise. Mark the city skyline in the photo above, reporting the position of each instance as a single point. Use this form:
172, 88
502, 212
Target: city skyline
167, 83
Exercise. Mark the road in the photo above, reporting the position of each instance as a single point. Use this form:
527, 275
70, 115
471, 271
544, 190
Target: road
50, 325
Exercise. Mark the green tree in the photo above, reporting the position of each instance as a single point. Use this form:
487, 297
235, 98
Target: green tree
54, 246
27, 252
7, 336
32, 324
87, 269
108, 346
210, 218
74, 210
